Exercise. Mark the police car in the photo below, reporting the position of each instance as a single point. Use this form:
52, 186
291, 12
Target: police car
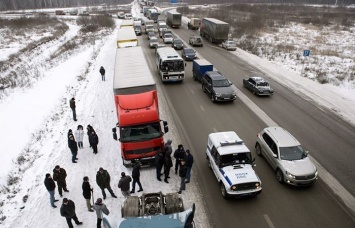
232, 164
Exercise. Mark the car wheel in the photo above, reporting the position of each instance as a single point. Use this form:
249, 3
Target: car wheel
213, 98
279, 176
203, 88
258, 149
223, 191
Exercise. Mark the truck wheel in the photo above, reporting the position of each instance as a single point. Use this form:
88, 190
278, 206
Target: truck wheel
223, 191
279, 176
258, 149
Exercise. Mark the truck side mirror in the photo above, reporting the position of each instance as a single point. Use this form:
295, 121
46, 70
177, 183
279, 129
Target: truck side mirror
166, 128
114, 133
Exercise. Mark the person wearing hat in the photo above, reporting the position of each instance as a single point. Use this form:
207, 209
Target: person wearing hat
168, 149
124, 184
136, 175
179, 154
67, 210
73, 146
182, 175
73, 106
94, 141
102, 72
100, 208
168, 163
87, 189
103, 180
50, 186
59, 175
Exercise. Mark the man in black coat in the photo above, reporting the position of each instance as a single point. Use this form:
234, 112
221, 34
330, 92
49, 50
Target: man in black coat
124, 184
73, 146
168, 163
87, 189
67, 210
159, 161
103, 180
73, 106
50, 186
102, 72
189, 161
59, 175
90, 129
182, 175
136, 175
179, 154
94, 140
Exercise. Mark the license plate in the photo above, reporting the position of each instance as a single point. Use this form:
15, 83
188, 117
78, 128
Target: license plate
174, 77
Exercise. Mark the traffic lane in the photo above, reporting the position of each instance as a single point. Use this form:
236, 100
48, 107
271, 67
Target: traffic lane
328, 138
325, 135
195, 125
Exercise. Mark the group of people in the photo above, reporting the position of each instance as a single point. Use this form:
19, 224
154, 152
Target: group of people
75, 140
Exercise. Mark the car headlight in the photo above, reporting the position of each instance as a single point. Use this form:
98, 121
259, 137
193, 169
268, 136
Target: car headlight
233, 187
290, 175
257, 185
234, 94
186, 56
218, 94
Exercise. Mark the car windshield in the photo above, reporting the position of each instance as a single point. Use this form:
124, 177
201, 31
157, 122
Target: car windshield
153, 39
264, 84
140, 132
292, 153
167, 36
221, 83
189, 51
177, 42
234, 159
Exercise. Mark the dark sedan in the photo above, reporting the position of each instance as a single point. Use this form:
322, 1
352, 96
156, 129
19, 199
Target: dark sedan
188, 54
258, 85
177, 44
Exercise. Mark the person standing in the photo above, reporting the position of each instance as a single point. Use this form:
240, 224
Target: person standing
168, 163
73, 146
169, 150
79, 136
179, 154
159, 161
136, 175
182, 175
70, 133
67, 210
102, 72
103, 180
124, 184
100, 208
73, 107
59, 175
87, 190
189, 161
89, 128
50, 186
94, 141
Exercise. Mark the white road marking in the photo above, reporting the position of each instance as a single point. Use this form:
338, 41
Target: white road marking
214, 129
201, 107
268, 220
193, 92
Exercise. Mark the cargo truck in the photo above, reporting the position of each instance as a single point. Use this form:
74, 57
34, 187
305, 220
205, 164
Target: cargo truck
126, 38
173, 19
140, 128
199, 68
194, 23
152, 14
214, 30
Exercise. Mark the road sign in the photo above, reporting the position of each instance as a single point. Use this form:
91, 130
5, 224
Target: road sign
306, 52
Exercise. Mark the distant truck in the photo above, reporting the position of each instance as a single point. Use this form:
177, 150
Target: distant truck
137, 28
153, 14
199, 68
127, 24
126, 38
82, 12
140, 128
59, 12
145, 10
214, 30
194, 23
73, 12
173, 19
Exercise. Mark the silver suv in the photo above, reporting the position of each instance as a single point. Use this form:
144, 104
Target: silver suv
286, 156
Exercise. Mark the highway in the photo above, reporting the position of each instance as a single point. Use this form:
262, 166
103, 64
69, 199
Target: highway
328, 139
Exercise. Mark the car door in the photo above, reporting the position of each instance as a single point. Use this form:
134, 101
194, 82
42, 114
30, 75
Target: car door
215, 162
251, 84
208, 84
268, 149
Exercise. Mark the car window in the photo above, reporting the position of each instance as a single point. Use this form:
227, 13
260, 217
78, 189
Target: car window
271, 144
292, 153
263, 84
214, 151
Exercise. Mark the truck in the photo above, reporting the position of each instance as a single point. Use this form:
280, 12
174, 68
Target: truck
137, 28
152, 14
170, 65
153, 210
127, 24
214, 30
59, 12
200, 67
162, 26
194, 23
83, 12
173, 19
126, 38
136, 100
145, 10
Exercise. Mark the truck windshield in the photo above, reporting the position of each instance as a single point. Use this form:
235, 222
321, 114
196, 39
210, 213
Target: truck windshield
234, 159
221, 83
174, 65
140, 132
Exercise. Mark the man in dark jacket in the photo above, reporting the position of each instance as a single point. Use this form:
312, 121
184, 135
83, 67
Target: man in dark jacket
182, 175
103, 181
67, 210
59, 175
90, 129
124, 184
50, 186
159, 161
102, 72
87, 189
189, 161
136, 175
73, 146
94, 140
168, 163
72, 106
179, 154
